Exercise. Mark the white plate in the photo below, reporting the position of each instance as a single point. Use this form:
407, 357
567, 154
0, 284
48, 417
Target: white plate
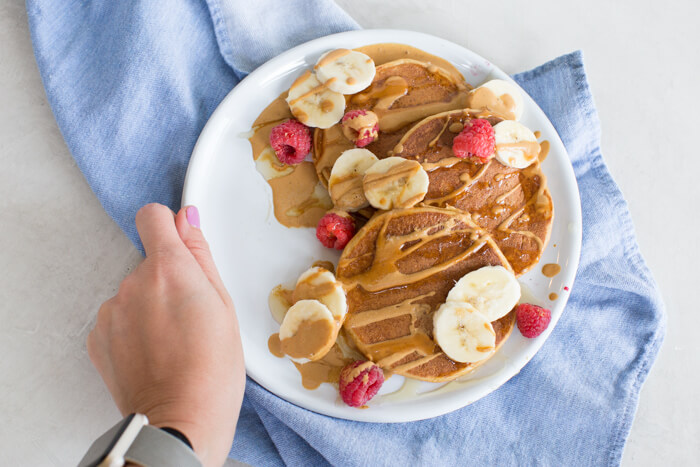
254, 252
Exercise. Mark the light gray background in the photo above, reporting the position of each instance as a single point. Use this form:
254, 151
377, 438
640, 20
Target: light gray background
62, 255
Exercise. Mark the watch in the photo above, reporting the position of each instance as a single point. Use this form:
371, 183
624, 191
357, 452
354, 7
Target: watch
134, 440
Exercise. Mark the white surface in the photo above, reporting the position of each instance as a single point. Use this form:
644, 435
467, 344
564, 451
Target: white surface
62, 255
214, 178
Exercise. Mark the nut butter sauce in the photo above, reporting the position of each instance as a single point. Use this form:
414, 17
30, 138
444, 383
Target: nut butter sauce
513, 213
328, 368
299, 200
395, 99
551, 269
405, 353
484, 98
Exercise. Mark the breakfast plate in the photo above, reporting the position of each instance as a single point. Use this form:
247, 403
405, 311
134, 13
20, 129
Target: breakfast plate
254, 252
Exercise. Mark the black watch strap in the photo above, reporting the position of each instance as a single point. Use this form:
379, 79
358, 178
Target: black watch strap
134, 440
178, 434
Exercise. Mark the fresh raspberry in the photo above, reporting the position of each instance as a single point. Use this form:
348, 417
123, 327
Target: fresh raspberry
476, 141
532, 319
361, 127
335, 231
291, 141
358, 387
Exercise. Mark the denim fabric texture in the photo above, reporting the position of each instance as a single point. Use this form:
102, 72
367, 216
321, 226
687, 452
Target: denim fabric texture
132, 84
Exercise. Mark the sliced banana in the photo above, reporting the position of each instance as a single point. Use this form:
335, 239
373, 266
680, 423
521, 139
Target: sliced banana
492, 290
395, 182
279, 301
320, 284
516, 145
345, 71
345, 182
464, 334
313, 104
502, 97
308, 331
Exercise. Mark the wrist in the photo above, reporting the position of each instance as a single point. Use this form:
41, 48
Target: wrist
202, 441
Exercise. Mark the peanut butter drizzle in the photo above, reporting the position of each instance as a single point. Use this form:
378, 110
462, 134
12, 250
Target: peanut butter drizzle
332, 56
310, 339
551, 269
325, 370
467, 182
456, 127
275, 346
500, 199
327, 265
348, 192
484, 98
417, 342
553, 296
298, 198
442, 163
544, 151
406, 367
384, 272
317, 89
330, 143
408, 306
307, 290
326, 106
355, 372
434, 141
386, 93
397, 173
539, 199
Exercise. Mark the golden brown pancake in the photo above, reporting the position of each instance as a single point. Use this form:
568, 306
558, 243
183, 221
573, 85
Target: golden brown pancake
403, 92
397, 270
513, 205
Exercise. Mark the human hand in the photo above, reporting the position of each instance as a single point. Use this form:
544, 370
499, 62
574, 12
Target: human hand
167, 344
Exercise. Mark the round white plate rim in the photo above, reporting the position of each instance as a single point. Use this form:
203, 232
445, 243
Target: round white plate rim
195, 180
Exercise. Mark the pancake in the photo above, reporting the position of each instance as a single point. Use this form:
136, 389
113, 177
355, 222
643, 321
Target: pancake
403, 92
513, 205
397, 271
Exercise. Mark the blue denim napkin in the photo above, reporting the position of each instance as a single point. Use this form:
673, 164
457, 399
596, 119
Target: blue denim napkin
131, 85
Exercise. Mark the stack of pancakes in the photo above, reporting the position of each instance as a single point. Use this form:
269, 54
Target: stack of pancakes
402, 263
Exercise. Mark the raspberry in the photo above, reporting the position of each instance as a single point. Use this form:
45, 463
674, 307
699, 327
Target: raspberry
359, 382
335, 231
532, 319
361, 127
476, 141
291, 141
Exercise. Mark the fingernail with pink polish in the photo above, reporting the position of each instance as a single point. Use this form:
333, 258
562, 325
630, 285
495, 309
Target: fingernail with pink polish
192, 214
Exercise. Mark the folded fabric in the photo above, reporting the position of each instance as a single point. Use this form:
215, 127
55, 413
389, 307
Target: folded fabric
131, 86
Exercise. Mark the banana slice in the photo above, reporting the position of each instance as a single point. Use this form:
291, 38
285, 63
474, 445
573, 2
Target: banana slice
516, 145
345, 71
493, 290
464, 334
500, 96
313, 104
395, 182
308, 331
320, 284
345, 182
